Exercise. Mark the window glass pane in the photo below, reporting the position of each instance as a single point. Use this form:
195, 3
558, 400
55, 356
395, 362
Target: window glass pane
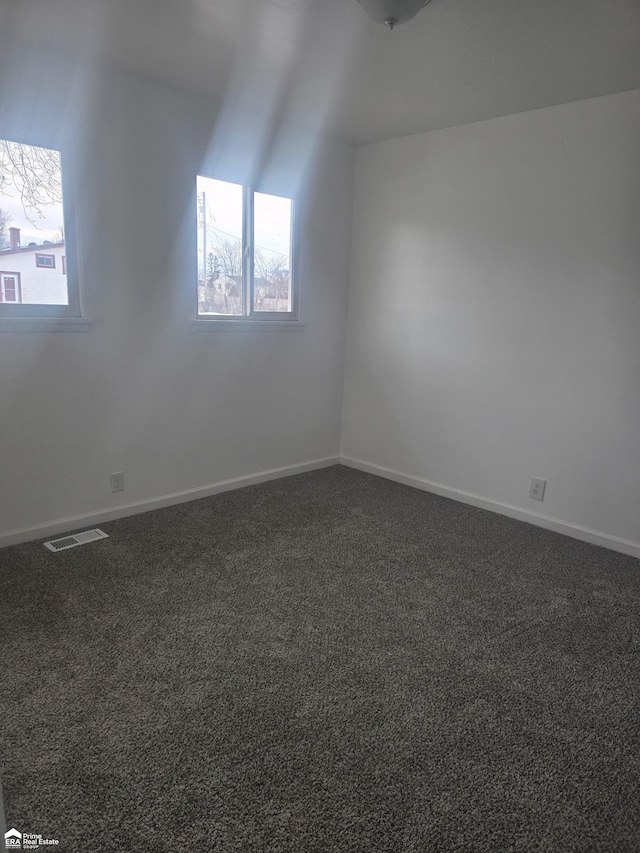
32, 222
219, 206
8, 288
272, 253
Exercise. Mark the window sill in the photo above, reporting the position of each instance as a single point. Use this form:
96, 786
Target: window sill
247, 325
45, 324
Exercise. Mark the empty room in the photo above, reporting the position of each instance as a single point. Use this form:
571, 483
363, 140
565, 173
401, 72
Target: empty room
320, 426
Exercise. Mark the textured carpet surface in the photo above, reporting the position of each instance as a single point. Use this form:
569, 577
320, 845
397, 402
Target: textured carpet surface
330, 662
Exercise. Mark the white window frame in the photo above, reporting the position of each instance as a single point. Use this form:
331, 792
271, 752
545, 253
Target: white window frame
249, 317
10, 274
40, 265
19, 315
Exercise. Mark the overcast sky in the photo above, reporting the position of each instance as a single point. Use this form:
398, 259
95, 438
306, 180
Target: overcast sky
35, 226
272, 215
47, 228
224, 213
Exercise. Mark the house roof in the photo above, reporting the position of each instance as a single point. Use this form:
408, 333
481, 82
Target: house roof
41, 248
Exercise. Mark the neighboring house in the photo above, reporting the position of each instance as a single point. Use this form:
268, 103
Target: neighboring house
223, 295
33, 273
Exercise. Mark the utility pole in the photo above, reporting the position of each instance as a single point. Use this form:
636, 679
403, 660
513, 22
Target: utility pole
203, 213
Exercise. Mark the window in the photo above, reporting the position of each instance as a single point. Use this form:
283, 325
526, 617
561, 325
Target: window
10, 290
46, 261
36, 240
246, 252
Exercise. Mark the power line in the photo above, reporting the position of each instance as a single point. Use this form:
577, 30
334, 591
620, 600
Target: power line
215, 229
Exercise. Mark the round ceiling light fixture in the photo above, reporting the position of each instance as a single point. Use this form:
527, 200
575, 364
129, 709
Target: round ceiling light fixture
392, 12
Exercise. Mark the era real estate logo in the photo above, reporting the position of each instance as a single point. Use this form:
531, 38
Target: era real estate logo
14, 840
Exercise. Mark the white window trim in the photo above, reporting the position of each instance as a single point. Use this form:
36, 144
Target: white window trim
33, 317
3, 297
251, 320
245, 324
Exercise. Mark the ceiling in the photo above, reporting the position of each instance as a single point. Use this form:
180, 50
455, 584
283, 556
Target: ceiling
326, 64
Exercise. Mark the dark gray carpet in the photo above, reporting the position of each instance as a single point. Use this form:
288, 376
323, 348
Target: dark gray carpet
331, 662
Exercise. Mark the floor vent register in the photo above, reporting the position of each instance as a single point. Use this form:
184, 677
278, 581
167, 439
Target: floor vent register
75, 539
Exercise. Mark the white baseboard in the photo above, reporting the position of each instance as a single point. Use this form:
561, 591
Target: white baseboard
65, 525
585, 534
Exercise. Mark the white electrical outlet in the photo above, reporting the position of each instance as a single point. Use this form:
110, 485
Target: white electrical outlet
117, 482
537, 488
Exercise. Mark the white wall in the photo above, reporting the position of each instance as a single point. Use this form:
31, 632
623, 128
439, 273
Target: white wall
141, 392
494, 313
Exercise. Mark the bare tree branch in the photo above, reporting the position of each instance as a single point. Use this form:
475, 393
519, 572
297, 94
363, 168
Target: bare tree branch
35, 174
269, 264
228, 252
5, 219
